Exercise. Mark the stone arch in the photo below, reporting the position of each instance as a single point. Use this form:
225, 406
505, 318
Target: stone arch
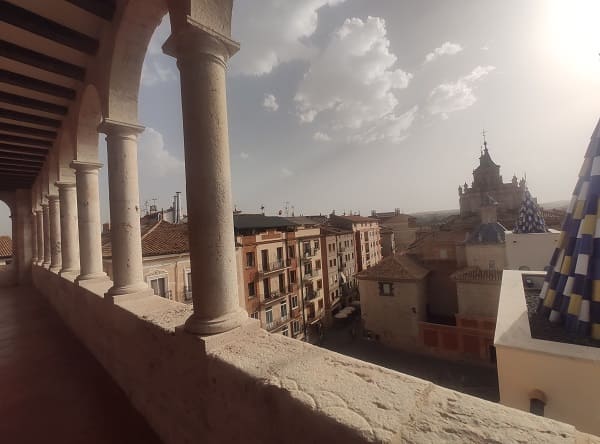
88, 119
139, 19
8, 273
67, 152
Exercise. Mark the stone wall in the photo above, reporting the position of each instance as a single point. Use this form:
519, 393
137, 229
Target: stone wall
249, 386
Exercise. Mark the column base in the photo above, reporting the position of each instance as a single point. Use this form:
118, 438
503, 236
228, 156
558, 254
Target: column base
46, 265
55, 268
124, 297
202, 326
70, 275
92, 276
70, 271
128, 289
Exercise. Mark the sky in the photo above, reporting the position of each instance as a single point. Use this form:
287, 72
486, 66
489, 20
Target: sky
355, 105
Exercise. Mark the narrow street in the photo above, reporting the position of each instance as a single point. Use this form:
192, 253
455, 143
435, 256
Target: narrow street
476, 380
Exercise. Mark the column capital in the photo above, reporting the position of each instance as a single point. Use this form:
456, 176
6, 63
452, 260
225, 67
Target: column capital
53, 198
44, 205
83, 166
38, 212
117, 128
63, 185
195, 38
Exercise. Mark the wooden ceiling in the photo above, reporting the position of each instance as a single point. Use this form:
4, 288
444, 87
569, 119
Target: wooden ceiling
45, 49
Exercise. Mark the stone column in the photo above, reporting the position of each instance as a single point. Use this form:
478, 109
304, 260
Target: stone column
202, 57
69, 231
88, 216
55, 237
34, 242
40, 236
46, 227
124, 198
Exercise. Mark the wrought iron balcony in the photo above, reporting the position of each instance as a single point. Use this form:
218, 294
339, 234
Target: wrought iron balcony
273, 296
277, 323
273, 267
312, 294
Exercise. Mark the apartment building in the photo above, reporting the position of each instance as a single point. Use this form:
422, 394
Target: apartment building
268, 272
367, 238
339, 259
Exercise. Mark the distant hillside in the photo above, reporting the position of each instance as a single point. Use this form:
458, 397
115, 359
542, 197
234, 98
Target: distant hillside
557, 204
429, 217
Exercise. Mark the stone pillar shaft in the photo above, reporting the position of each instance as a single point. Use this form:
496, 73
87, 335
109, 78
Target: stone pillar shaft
55, 237
40, 236
46, 219
69, 230
88, 215
124, 198
201, 58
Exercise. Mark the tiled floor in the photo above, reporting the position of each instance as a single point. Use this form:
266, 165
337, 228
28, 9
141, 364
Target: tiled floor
51, 389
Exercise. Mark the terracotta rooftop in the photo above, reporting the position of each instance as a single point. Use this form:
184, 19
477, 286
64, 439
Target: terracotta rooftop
158, 238
478, 275
354, 218
395, 268
5, 246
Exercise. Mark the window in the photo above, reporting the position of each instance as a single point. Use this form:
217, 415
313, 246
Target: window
269, 315
159, 286
320, 304
291, 251
334, 262
284, 311
250, 259
317, 264
296, 327
188, 286
285, 331
293, 276
295, 301
255, 315
251, 290
266, 289
385, 289
306, 248
316, 244
281, 283
319, 284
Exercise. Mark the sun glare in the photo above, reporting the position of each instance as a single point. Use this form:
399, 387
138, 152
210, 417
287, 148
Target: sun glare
574, 32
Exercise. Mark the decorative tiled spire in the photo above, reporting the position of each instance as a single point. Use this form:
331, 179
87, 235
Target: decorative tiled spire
571, 292
530, 218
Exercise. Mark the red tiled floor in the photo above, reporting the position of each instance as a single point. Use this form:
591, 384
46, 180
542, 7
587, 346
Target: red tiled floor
52, 390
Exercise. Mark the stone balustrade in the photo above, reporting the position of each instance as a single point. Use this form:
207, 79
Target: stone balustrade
219, 388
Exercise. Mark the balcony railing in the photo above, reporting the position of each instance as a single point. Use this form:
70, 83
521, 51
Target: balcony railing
273, 296
312, 294
314, 315
272, 267
277, 323
313, 274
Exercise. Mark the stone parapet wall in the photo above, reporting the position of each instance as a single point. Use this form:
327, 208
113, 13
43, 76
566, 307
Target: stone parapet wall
253, 387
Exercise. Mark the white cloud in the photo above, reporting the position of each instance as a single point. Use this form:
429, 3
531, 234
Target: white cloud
158, 68
447, 48
450, 97
155, 160
244, 155
272, 32
270, 102
285, 172
321, 137
392, 127
351, 84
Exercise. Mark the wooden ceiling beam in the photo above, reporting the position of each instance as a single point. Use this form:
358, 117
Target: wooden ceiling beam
21, 158
29, 118
104, 9
38, 105
36, 24
27, 141
6, 148
52, 89
41, 61
9, 127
